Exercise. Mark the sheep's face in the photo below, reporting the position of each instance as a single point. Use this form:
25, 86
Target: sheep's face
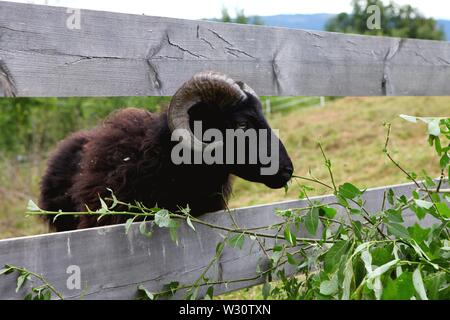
220, 121
250, 149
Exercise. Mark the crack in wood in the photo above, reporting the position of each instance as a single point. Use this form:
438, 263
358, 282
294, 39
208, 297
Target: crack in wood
390, 54
275, 73
15, 30
315, 35
209, 43
444, 60
220, 37
7, 84
421, 56
232, 53
153, 75
204, 39
231, 47
241, 51
197, 55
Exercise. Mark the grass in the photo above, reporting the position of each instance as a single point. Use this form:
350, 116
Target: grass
350, 129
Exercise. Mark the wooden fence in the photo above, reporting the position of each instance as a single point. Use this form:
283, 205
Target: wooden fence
113, 263
125, 55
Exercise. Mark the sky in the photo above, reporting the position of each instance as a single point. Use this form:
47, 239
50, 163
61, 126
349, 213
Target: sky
197, 9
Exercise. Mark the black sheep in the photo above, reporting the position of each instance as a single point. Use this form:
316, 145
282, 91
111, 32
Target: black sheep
130, 153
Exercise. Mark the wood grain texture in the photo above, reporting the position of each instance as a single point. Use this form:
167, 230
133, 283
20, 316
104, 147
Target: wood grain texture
133, 55
114, 263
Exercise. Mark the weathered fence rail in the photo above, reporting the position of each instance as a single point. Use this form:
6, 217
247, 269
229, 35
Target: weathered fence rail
116, 54
113, 263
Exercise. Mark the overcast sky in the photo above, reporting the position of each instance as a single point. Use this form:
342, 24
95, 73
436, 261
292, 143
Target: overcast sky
197, 9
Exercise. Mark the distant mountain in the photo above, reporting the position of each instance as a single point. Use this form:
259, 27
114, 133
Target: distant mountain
318, 22
446, 25
298, 21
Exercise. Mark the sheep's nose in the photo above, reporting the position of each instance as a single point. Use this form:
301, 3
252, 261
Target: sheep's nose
287, 172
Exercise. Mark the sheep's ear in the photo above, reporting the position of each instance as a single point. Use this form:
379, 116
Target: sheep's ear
247, 89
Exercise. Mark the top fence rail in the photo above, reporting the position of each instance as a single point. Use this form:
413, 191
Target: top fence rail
55, 51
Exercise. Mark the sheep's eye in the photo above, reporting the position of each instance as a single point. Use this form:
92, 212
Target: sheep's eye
241, 125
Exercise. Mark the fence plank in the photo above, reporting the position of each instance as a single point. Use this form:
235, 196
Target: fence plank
114, 263
126, 55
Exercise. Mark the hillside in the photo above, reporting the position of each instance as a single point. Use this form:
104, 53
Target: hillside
318, 22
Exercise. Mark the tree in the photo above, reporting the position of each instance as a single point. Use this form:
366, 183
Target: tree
240, 17
396, 21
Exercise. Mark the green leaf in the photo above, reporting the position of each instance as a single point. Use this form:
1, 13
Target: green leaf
335, 254
418, 233
434, 128
104, 205
329, 287
172, 287
394, 216
209, 293
420, 212
32, 207
219, 248
341, 200
401, 288
312, 221
162, 218
408, 118
237, 241
115, 201
147, 294
356, 211
143, 230
433, 283
444, 161
189, 222
366, 257
46, 295
266, 289
329, 212
398, 230
291, 260
21, 280
390, 197
423, 204
437, 145
301, 194
443, 209
348, 276
381, 255
419, 285
173, 230
349, 191
289, 237
277, 252
382, 269
128, 224
6, 270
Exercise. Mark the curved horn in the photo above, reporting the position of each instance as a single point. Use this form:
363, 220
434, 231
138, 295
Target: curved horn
206, 87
